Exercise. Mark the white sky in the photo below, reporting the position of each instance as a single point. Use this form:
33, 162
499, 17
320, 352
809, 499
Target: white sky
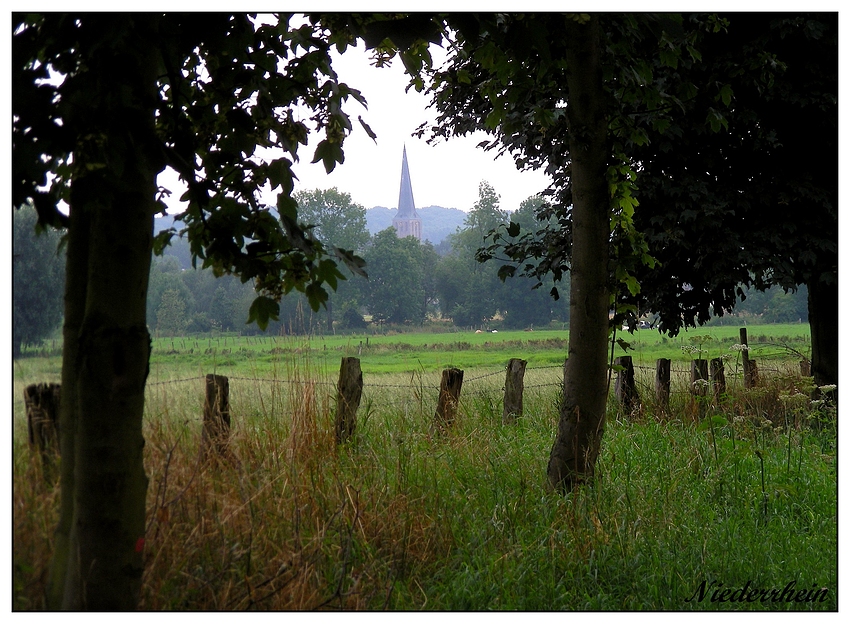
444, 174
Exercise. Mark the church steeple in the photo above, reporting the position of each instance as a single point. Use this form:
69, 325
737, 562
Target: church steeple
406, 221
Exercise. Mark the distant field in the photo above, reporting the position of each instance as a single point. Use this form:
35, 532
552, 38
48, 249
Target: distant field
408, 352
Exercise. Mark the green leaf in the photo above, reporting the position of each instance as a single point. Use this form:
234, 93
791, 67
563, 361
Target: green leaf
329, 153
714, 421
726, 94
625, 346
506, 271
368, 130
280, 174
263, 309
316, 295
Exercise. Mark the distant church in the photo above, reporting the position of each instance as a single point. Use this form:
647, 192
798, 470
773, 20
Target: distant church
406, 221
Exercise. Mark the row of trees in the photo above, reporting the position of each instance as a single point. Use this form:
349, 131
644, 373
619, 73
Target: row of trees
688, 153
408, 280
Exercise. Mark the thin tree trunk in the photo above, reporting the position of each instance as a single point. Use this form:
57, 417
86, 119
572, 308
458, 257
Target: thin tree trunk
582, 414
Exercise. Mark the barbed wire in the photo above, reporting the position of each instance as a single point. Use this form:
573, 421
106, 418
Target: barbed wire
417, 383
413, 383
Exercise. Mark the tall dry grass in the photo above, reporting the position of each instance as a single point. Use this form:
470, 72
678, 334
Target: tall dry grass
405, 518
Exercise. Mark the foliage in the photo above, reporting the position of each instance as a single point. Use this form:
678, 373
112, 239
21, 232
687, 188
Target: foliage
742, 207
395, 291
38, 280
334, 217
171, 314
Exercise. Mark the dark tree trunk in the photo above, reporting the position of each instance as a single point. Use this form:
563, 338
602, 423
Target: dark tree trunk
823, 320
582, 414
98, 556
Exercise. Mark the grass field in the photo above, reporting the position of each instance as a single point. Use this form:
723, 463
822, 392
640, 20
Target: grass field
738, 494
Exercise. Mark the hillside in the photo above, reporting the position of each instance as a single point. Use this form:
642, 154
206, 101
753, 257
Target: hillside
437, 222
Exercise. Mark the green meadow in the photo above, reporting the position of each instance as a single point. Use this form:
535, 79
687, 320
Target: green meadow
726, 504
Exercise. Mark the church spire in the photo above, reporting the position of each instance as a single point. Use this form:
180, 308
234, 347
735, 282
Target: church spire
406, 221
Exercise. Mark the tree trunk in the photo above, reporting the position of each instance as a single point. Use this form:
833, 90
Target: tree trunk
823, 320
98, 557
582, 413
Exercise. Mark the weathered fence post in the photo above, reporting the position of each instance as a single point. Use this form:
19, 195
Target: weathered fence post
699, 377
42, 405
450, 385
750, 368
513, 390
216, 426
718, 378
662, 383
349, 390
625, 388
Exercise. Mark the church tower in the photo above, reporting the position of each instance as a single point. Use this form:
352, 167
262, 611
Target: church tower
406, 221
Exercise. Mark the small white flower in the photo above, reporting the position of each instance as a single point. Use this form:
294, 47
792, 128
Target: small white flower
740, 347
827, 388
701, 383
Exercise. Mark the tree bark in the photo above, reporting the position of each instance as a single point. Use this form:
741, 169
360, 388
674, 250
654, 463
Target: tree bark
582, 413
98, 557
823, 321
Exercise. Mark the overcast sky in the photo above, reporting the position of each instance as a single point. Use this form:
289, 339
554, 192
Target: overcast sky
445, 174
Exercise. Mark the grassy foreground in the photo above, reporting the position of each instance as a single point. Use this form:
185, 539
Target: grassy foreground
740, 495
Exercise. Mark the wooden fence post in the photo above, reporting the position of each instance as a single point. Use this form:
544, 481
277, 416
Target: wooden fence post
625, 388
349, 390
662, 383
699, 373
513, 390
216, 426
42, 405
450, 385
718, 378
750, 368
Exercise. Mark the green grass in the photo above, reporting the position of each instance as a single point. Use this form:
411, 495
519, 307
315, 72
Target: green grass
408, 352
406, 518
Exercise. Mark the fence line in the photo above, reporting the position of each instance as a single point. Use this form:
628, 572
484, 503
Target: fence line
412, 384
